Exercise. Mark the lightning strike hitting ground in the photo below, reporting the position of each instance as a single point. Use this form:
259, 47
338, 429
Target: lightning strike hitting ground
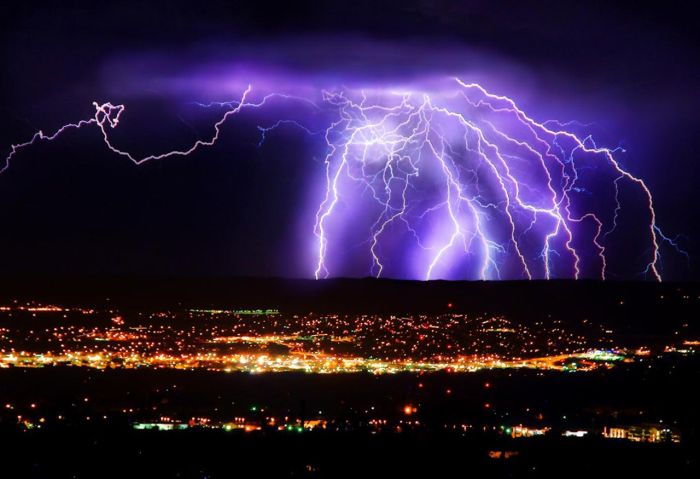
451, 184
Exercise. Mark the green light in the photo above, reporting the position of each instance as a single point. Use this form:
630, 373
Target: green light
602, 355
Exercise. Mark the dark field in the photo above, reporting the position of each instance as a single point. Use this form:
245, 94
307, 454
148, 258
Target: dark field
97, 453
107, 446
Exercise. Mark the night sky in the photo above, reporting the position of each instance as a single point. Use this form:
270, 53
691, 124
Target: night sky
71, 206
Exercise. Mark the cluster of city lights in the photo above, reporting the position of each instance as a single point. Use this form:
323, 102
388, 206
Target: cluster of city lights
264, 340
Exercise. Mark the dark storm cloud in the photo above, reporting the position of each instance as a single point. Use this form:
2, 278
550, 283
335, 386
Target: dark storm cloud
632, 70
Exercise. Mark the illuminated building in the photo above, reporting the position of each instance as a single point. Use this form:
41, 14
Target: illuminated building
159, 426
643, 433
578, 433
523, 431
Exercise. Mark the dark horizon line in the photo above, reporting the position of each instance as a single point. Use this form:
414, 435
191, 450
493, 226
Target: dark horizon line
12, 277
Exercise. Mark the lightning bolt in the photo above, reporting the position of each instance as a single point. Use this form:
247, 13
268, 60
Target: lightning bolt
420, 131
479, 187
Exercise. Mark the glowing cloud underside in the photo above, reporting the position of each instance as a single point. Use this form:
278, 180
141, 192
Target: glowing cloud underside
454, 184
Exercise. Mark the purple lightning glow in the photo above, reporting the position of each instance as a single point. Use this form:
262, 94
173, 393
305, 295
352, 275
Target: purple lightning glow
449, 183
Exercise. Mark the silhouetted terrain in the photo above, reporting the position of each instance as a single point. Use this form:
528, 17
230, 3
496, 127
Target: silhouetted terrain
642, 306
